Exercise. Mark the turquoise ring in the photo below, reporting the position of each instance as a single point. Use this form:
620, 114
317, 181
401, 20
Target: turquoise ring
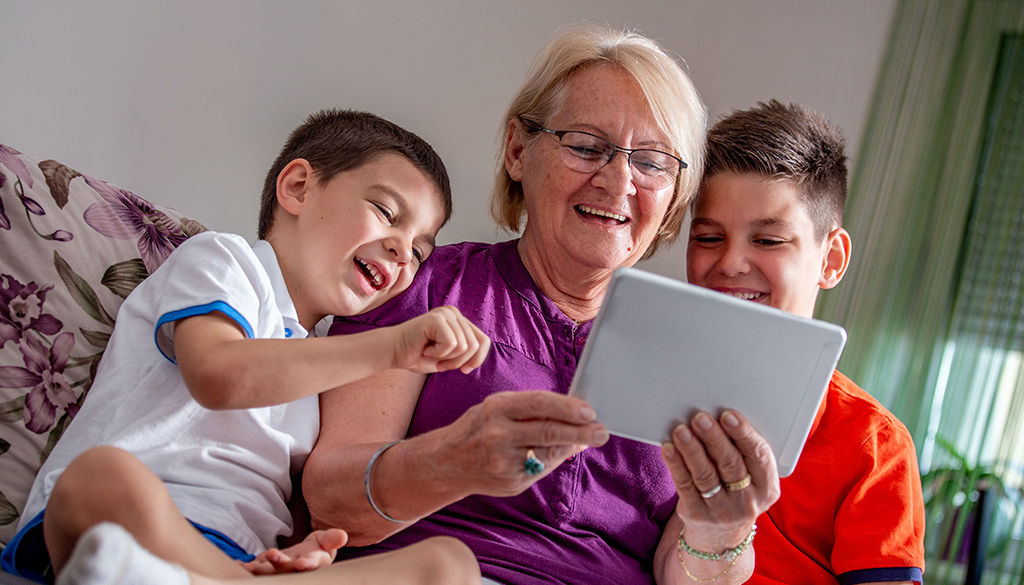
533, 466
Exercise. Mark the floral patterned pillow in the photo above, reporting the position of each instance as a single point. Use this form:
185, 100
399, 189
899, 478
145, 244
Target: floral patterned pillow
71, 249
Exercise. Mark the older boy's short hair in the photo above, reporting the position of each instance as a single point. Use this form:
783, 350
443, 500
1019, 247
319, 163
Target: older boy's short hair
787, 142
334, 141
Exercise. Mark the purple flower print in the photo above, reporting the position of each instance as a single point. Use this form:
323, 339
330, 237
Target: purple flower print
5, 222
50, 391
21, 310
9, 158
123, 215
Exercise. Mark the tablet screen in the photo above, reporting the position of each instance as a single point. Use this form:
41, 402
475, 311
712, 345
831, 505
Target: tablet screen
661, 349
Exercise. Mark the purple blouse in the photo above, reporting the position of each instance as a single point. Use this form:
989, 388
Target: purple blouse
598, 517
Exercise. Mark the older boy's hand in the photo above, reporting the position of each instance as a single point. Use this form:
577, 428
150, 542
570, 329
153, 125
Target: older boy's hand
438, 341
316, 551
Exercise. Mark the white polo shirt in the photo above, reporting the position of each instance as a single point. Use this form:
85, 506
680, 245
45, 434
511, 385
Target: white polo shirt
226, 470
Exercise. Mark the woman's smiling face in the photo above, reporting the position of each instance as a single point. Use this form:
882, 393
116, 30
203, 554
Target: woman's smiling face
600, 220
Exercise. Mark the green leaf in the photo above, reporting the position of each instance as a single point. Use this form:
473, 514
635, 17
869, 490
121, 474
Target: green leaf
122, 278
85, 360
8, 513
97, 338
58, 177
55, 435
191, 227
11, 411
81, 291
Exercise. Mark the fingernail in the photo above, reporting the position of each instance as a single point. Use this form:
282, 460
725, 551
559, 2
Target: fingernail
730, 419
601, 437
668, 450
683, 434
587, 413
704, 421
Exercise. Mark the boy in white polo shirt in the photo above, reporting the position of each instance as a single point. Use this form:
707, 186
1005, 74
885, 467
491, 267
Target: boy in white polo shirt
202, 410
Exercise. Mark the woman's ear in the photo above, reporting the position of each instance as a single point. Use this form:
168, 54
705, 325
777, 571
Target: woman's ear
837, 258
514, 147
293, 185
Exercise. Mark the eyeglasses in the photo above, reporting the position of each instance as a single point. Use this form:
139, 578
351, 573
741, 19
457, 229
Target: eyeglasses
588, 153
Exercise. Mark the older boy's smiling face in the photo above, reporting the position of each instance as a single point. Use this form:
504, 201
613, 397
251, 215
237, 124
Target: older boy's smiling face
752, 237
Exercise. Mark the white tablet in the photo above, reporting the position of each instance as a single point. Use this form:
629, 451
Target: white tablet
661, 349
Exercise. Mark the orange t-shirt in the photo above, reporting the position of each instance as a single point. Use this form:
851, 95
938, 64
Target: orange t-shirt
852, 510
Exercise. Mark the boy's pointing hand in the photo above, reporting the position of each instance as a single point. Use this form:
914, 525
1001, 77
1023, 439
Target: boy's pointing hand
440, 340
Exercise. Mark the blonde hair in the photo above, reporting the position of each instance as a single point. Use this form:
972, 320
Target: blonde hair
677, 109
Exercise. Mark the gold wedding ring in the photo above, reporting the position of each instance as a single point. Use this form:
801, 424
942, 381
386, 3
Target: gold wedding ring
736, 486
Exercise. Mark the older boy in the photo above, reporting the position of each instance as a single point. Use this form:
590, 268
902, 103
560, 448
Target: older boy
767, 227
202, 410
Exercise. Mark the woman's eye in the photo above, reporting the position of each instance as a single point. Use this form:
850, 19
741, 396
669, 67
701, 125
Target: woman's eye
769, 242
390, 217
647, 167
588, 152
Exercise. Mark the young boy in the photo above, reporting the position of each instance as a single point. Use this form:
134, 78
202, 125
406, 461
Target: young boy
767, 227
202, 410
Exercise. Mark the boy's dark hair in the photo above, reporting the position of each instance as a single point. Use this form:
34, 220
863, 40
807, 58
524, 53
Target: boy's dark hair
787, 142
334, 141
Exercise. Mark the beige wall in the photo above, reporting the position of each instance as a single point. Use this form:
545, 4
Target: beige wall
186, 102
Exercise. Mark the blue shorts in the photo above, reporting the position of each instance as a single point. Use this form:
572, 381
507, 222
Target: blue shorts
26, 555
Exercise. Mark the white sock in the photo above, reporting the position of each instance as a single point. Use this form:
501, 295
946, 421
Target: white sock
108, 555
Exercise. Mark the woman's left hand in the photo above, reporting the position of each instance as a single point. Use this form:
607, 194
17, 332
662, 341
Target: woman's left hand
726, 476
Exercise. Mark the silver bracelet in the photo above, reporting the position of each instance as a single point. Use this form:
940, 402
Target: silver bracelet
366, 482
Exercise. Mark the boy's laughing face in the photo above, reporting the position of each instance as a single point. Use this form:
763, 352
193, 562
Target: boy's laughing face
358, 240
752, 237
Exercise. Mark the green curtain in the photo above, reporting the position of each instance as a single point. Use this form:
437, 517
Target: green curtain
910, 197
978, 376
934, 298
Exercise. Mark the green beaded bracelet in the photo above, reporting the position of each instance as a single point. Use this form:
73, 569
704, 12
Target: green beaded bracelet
729, 555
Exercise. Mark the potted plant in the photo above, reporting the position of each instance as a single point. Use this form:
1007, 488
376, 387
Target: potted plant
959, 528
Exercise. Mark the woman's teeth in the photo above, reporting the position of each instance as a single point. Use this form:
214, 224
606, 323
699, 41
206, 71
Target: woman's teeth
599, 213
746, 296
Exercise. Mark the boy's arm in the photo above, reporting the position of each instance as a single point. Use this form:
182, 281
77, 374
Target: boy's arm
224, 369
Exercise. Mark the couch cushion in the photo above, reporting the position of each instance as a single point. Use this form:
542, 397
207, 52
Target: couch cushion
73, 247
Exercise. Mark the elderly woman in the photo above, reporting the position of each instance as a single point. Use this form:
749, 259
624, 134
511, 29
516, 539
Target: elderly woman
602, 153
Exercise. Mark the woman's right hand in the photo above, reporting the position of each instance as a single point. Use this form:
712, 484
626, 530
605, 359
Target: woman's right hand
484, 452
488, 444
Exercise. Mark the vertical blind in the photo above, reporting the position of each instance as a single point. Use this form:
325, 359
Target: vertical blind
979, 403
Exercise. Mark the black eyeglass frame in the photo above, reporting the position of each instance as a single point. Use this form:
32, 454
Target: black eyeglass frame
535, 127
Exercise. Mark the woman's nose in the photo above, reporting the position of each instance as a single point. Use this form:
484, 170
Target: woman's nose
616, 177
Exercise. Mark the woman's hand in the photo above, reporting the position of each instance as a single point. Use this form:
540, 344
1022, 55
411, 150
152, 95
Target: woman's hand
489, 443
710, 461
